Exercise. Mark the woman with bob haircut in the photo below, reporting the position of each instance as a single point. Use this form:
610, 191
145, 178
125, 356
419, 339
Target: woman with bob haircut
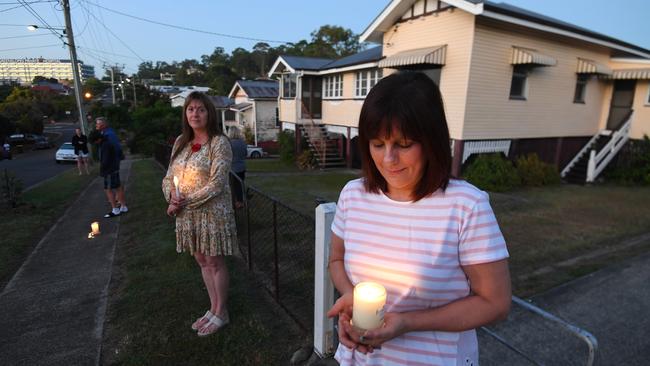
205, 221
431, 240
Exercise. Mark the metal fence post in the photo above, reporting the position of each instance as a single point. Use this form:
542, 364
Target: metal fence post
276, 277
323, 288
248, 238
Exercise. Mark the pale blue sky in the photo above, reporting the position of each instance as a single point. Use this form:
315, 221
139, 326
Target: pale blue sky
281, 20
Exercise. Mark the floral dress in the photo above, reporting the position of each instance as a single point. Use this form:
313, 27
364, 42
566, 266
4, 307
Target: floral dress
207, 223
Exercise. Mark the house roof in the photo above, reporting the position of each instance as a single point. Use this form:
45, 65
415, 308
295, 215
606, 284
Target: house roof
306, 63
257, 89
220, 101
240, 107
370, 55
506, 13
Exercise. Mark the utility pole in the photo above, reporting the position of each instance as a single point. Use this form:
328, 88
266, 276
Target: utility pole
75, 66
112, 83
122, 88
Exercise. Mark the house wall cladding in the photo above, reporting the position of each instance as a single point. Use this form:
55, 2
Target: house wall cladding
287, 110
549, 110
453, 28
344, 111
265, 117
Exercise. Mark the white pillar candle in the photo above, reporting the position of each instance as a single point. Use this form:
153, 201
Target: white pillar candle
178, 193
368, 305
95, 228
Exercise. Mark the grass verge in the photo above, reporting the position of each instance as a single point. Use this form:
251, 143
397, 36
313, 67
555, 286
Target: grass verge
157, 293
542, 226
23, 227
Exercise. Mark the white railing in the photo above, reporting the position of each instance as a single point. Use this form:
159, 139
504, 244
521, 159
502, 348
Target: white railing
575, 159
323, 287
598, 161
485, 146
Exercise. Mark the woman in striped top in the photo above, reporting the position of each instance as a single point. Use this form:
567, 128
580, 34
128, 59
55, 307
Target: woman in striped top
432, 241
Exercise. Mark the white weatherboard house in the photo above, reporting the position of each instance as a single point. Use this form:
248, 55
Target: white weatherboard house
513, 81
256, 105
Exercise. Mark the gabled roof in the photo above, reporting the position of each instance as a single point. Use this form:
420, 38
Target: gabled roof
506, 13
220, 101
370, 55
256, 89
316, 65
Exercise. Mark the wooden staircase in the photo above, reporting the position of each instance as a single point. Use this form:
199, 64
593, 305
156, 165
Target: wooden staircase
578, 172
325, 149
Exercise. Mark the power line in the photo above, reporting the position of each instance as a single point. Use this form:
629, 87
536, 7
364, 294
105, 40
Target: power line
29, 48
187, 28
114, 35
44, 23
106, 52
29, 35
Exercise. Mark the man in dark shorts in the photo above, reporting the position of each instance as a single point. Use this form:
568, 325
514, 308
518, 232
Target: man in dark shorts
109, 168
109, 135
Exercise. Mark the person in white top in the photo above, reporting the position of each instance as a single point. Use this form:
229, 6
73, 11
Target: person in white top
431, 240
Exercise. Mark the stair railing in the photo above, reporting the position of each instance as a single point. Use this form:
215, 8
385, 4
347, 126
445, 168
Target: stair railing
598, 161
575, 159
315, 136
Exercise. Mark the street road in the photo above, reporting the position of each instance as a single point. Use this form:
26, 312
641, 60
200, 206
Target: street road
35, 166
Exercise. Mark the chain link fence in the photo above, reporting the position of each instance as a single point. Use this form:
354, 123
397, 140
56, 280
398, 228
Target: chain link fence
277, 243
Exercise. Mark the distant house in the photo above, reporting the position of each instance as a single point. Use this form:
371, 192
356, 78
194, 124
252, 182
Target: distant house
178, 100
513, 81
55, 88
255, 107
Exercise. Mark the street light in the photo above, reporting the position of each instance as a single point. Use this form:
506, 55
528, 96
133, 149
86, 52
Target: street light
33, 27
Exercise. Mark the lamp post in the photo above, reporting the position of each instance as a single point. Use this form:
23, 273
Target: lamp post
67, 31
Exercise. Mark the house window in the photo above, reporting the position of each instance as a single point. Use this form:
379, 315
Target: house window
365, 80
333, 87
519, 82
289, 86
647, 98
581, 88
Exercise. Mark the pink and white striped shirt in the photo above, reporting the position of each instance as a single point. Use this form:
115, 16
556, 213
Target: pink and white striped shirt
416, 250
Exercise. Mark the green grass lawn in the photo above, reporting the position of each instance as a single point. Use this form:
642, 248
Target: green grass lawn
269, 165
23, 227
158, 293
542, 226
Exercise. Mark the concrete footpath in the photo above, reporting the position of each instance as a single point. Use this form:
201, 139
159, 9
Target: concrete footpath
52, 311
613, 304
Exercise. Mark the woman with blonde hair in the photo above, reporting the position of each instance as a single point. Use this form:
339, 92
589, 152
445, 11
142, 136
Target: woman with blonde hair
201, 203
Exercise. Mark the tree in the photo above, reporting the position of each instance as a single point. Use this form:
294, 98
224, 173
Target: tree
332, 41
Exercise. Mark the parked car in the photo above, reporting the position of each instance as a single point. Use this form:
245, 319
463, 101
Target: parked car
42, 142
22, 139
65, 153
254, 152
5, 152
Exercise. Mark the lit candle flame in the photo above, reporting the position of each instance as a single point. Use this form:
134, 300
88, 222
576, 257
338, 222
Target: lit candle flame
95, 228
178, 193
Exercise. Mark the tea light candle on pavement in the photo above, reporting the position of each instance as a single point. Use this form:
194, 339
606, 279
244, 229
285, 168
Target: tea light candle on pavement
95, 228
178, 193
368, 305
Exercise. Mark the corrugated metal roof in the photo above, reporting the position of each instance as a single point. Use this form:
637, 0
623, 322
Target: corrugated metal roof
362, 57
306, 63
220, 101
260, 88
543, 19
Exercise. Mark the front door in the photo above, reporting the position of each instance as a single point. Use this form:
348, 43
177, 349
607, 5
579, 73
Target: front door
622, 99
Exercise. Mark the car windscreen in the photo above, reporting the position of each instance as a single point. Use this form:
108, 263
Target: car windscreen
67, 147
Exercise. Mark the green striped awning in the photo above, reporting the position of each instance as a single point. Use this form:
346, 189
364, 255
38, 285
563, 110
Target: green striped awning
592, 67
525, 56
430, 55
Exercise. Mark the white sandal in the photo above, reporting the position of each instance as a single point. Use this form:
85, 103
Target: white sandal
208, 315
215, 320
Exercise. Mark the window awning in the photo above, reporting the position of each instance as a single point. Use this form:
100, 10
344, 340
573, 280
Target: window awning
592, 67
421, 56
524, 56
631, 74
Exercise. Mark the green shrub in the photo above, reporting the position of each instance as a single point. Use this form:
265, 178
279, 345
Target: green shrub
634, 164
12, 189
492, 172
534, 172
287, 142
306, 160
